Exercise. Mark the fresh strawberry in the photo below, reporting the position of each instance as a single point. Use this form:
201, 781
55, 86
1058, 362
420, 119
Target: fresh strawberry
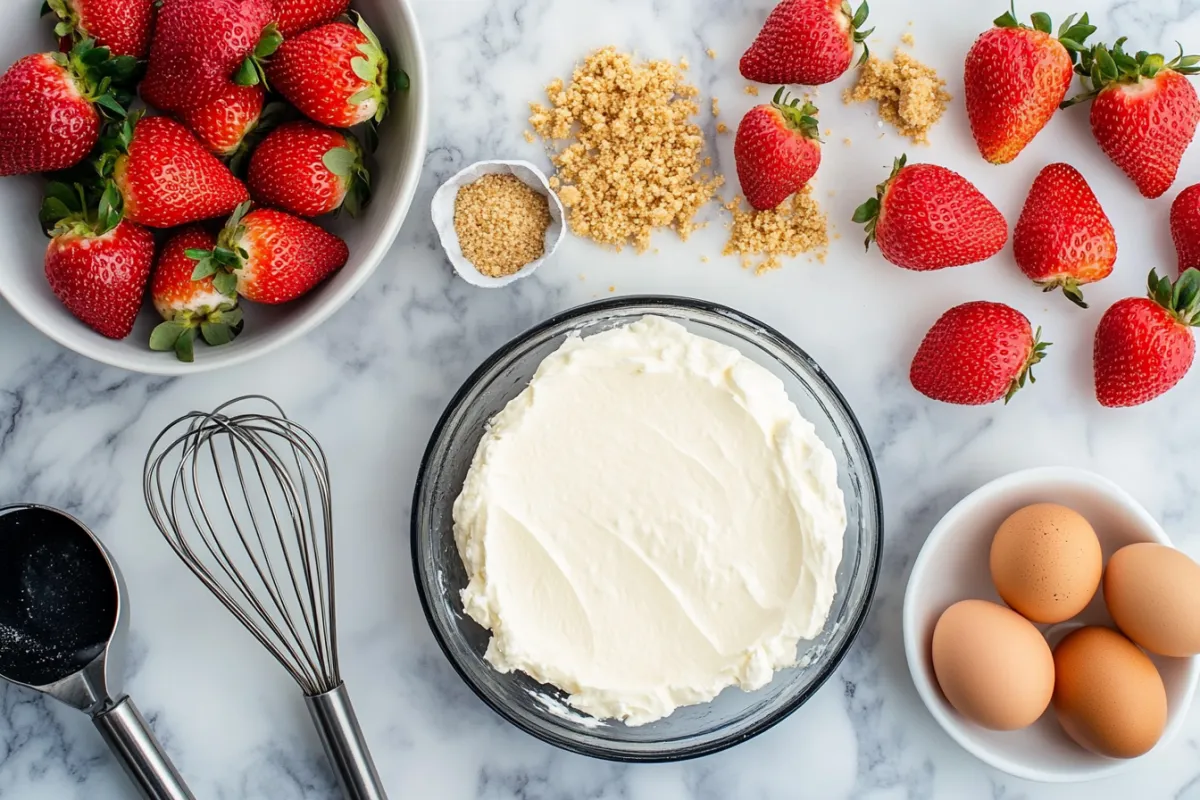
1016, 77
97, 264
51, 105
1144, 346
976, 354
928, 217
1064, 239
123, 26
189, 307
308, 170
809, 42
1185, 227
297, 16
337, 74
166, 177
269, 256
223, 123
200, 45
777, 150
1144, 111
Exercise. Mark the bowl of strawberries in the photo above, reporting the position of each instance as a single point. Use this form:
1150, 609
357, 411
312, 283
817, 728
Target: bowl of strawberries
212, 178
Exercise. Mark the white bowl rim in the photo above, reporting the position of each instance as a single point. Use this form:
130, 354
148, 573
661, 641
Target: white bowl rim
929, 693
330, 304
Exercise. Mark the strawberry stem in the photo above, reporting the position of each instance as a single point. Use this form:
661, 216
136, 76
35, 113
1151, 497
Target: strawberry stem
253, 71
798, 117
858, 18
223, 261
868, 213
1036, 354
1181, 298
1102, 66
1071, 34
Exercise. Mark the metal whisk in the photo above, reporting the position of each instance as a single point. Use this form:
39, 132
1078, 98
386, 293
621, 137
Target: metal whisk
244, 500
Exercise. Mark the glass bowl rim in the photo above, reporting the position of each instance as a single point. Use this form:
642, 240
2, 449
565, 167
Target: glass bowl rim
758, 329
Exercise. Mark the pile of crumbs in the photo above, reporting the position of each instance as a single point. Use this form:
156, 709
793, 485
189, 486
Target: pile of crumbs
501, 224
790, 230
634, 162
911, 96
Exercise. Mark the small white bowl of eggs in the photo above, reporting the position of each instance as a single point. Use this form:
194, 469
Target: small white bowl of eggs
1037, 650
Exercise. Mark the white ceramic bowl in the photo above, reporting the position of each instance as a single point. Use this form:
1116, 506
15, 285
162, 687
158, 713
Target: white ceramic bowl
953, 566
398, 164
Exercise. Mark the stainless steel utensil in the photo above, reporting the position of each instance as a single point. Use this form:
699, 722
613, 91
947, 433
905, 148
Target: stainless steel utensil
63, 625
244, 501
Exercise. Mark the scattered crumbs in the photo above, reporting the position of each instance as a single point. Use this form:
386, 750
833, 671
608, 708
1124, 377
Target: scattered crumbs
703, 259
795, 227
847, 141
910, 95
612, 288
881, 136
554, 182
684, 63
582, 277
501, 224
828, 132
837, 236
707, 161
528, 136
752, 91
722, 127
908, 39
910, 22
716, 106
713, 53
632, 156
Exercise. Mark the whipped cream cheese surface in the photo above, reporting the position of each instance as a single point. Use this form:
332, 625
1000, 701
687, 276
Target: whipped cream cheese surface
649, 522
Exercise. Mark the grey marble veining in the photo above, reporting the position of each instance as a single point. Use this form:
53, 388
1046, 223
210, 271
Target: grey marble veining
371, 382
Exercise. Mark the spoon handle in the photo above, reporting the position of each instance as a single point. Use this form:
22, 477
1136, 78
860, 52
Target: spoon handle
129, 737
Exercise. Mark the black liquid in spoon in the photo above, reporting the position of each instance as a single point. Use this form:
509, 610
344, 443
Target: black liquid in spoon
58, 597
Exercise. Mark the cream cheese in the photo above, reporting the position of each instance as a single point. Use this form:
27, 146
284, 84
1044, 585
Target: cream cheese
649, 522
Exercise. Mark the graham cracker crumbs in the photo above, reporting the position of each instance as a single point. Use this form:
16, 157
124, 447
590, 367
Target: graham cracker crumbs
554, 182
711, 53
612, 288
789, 230
908, 39
633, 162
528, 136
716, 106
703, 259
847, 141
828, 132
752, 91
707, 161
501, 224
910, 95
684, 64
722, 127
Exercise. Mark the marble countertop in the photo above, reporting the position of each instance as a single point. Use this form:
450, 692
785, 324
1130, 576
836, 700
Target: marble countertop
371, 382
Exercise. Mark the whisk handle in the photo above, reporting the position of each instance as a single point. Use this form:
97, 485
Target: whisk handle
342, 736
129, 737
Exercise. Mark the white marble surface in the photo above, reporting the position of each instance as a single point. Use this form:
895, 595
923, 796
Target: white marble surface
371, 382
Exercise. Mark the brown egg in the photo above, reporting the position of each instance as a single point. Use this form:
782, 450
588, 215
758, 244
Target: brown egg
1153, 594
1046, 562
1107, 693
992, 664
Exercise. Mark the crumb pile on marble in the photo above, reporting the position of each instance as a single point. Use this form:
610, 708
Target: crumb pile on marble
796, 227
911, 96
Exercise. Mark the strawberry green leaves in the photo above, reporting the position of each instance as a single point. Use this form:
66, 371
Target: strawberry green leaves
1071, 33
1102, 66
347, 164
252, 71
1181, 298
75, 208
857, 20
868, 213
1036, 355
216, 326
799, 117
223, 261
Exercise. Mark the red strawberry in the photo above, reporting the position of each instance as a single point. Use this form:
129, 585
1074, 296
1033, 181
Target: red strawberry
336, 74
123, 26
297, 16
777, 150
270, 257
50, 106
806, 41
1144, 112
1064, 239
976, 354
1016, 77
96, 263
188, 306
1185, 227
308, 170
223, 123
167, 178
1144, 346
200, 45
928, 217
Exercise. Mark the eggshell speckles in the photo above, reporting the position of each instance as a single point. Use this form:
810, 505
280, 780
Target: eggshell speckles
1153, 594
1046, 562
992, 664
1108, 695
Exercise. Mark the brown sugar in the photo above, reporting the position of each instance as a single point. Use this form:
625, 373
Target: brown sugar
501, 224
633, 161
794, 228
910, 95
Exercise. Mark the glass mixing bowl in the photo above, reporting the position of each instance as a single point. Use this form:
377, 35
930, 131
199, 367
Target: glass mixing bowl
734, 716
